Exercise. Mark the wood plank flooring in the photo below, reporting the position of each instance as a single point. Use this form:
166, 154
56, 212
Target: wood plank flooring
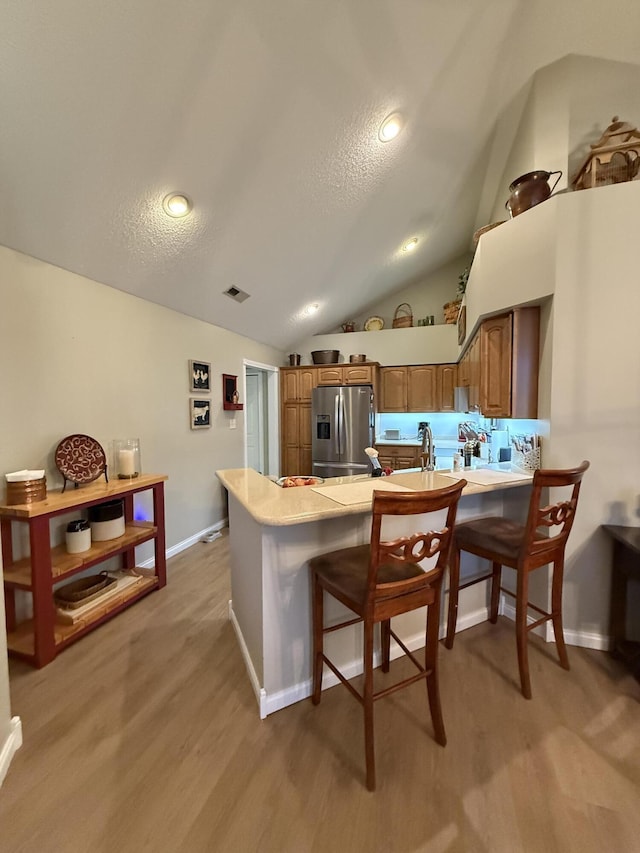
145, 736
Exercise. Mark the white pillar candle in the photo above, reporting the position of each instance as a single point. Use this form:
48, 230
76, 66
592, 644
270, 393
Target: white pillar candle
127, 463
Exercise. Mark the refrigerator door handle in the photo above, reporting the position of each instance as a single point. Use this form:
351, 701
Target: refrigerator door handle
342, 428
336, 424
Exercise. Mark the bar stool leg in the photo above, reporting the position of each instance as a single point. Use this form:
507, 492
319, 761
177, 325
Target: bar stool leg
431, 665
368, 706
495, 592
385, 643
556, 612
522, 596
317, 606
454, 582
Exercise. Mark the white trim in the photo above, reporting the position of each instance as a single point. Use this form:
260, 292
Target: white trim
581, 639
270, 703
10, 746
186, 543
259, 691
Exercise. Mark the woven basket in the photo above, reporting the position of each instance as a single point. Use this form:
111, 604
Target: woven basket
451, 311
82, 591
403, 316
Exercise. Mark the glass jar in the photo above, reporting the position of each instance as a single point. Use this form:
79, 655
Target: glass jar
126, 458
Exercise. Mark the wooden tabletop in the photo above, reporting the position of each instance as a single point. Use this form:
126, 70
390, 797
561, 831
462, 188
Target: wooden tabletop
57, 501
629, 536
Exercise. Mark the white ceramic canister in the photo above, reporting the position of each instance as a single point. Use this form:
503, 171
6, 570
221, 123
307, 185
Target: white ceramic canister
78, 536
107, 520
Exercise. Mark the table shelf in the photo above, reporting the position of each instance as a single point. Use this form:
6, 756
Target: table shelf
38, 640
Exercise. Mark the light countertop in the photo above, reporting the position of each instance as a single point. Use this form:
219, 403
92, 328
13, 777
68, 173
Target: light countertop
272, 505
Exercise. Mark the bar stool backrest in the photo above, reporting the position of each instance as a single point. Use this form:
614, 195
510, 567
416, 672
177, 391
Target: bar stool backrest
549, 524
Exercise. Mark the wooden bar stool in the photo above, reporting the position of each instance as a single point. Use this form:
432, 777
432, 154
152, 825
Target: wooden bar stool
523, 547
383, 579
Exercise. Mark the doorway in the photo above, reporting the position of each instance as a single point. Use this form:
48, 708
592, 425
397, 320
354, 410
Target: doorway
261, 444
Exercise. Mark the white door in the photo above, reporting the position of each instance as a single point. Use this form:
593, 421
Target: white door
254, 393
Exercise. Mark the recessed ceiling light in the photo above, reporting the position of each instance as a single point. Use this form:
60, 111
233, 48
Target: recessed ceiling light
390, 127
310, 309
176, 205
410, 245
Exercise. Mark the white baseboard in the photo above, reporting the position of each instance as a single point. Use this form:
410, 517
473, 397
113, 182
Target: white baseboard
269, 703
581, 639
10, 746
186, 543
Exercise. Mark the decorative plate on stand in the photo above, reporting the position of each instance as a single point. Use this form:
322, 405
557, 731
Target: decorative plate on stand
374, 324
80, 459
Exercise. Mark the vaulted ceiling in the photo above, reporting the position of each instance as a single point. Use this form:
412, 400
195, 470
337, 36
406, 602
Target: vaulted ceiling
265, 113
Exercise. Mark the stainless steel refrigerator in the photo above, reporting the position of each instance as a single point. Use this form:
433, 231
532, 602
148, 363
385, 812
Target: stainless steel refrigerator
342, 424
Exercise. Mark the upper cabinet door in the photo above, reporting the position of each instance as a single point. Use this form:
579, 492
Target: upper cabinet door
358, 374
423, 388
393, 389
447, 380
307, 380
495, 357
289, 386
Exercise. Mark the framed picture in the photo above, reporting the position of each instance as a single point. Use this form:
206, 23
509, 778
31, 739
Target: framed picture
462, 325
200, 413
200, 377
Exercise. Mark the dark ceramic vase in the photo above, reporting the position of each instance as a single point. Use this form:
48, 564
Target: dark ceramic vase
529, 190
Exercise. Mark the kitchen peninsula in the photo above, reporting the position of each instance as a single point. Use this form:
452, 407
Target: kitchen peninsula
274, 531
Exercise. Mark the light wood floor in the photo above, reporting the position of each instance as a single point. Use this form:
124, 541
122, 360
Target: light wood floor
145, 736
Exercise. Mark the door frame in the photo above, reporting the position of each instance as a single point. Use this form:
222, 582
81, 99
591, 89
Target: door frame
271, 412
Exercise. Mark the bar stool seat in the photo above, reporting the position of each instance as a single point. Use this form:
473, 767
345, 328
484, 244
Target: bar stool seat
383, 579
525, 547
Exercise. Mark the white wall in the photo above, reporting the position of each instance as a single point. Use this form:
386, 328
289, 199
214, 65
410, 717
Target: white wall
77, 356
580, 248
426, 297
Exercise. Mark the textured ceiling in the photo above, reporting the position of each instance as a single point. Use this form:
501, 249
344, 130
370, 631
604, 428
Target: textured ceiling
266, 114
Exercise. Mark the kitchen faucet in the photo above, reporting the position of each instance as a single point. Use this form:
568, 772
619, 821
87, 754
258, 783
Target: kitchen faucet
427, 455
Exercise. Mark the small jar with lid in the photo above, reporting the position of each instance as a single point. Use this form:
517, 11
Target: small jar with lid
78, 536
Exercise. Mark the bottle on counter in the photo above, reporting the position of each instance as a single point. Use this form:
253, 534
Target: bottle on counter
457, 462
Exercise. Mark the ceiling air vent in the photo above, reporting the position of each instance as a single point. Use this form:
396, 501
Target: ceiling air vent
236, 293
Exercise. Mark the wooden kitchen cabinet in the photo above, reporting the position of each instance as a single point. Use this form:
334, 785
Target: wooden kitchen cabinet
398, 456
38, 640
509, 356
296, 439
422, 388
296, 384
446, 381
393, 389
418, 388
347, 374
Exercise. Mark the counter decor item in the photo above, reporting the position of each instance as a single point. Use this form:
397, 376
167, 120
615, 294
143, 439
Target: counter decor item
325, 356
25, 487
613, 159
374, 324
107, 521
451, 311
78, 536
359, 358
294, 359
403, 316
80, 459
126, 458
529, 190
299, 480
476, 238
